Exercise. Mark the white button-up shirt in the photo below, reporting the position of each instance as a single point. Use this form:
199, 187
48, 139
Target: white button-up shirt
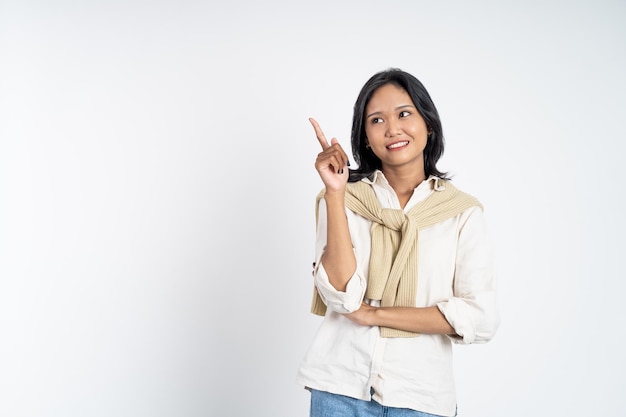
455, 273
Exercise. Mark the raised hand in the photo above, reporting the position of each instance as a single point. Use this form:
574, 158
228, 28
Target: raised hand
332, 162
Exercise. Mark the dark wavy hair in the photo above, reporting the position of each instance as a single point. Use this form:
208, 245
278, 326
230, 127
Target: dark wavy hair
366, 160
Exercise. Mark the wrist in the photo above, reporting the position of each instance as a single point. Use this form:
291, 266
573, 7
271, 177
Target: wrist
373, 316
334, 197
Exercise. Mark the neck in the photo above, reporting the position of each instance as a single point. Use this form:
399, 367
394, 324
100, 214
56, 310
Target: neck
404, 181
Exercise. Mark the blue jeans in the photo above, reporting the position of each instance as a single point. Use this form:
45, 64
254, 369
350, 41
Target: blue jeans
325, 404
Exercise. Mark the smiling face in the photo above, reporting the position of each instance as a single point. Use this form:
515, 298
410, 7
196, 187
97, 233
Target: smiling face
395, 130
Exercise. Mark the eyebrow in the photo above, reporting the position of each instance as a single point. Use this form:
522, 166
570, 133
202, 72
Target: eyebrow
404, 106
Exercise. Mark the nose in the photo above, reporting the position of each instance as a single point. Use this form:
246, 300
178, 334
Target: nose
393, 128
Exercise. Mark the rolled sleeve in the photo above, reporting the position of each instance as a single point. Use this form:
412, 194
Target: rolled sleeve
340, 301
474, 320
473, 310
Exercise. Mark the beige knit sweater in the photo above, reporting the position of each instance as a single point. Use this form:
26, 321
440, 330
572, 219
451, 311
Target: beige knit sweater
394, 255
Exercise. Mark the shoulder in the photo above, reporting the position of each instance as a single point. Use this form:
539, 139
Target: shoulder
458, 194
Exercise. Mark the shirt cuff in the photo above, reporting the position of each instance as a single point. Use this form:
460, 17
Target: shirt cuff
340, 301
474, 321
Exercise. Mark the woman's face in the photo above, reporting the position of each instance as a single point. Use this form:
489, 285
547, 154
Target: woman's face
394, 128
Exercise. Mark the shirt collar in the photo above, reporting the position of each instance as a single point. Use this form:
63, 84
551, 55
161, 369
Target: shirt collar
434, 182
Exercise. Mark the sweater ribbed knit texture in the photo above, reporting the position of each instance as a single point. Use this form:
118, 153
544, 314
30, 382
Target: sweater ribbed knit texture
392, 277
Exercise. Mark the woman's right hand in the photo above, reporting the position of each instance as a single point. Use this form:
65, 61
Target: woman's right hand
332, 162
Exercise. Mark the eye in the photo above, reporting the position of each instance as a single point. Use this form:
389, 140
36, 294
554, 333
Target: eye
375, 120
404, 113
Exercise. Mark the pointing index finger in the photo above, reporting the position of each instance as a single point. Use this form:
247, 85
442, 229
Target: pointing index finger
318, 132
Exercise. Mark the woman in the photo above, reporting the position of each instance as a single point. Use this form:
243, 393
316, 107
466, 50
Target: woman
403, 263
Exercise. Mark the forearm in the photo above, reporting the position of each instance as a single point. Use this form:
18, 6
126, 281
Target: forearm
338, 258
427, 320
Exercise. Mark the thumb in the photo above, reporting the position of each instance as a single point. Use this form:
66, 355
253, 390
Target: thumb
333, 141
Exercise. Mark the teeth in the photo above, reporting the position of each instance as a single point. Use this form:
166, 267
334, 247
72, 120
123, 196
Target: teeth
397, 145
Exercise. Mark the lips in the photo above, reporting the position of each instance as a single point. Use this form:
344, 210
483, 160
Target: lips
397, 145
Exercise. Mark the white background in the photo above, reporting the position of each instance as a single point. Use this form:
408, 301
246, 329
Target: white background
157, 189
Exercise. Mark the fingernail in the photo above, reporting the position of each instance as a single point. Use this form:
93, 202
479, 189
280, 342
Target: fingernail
341, 171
